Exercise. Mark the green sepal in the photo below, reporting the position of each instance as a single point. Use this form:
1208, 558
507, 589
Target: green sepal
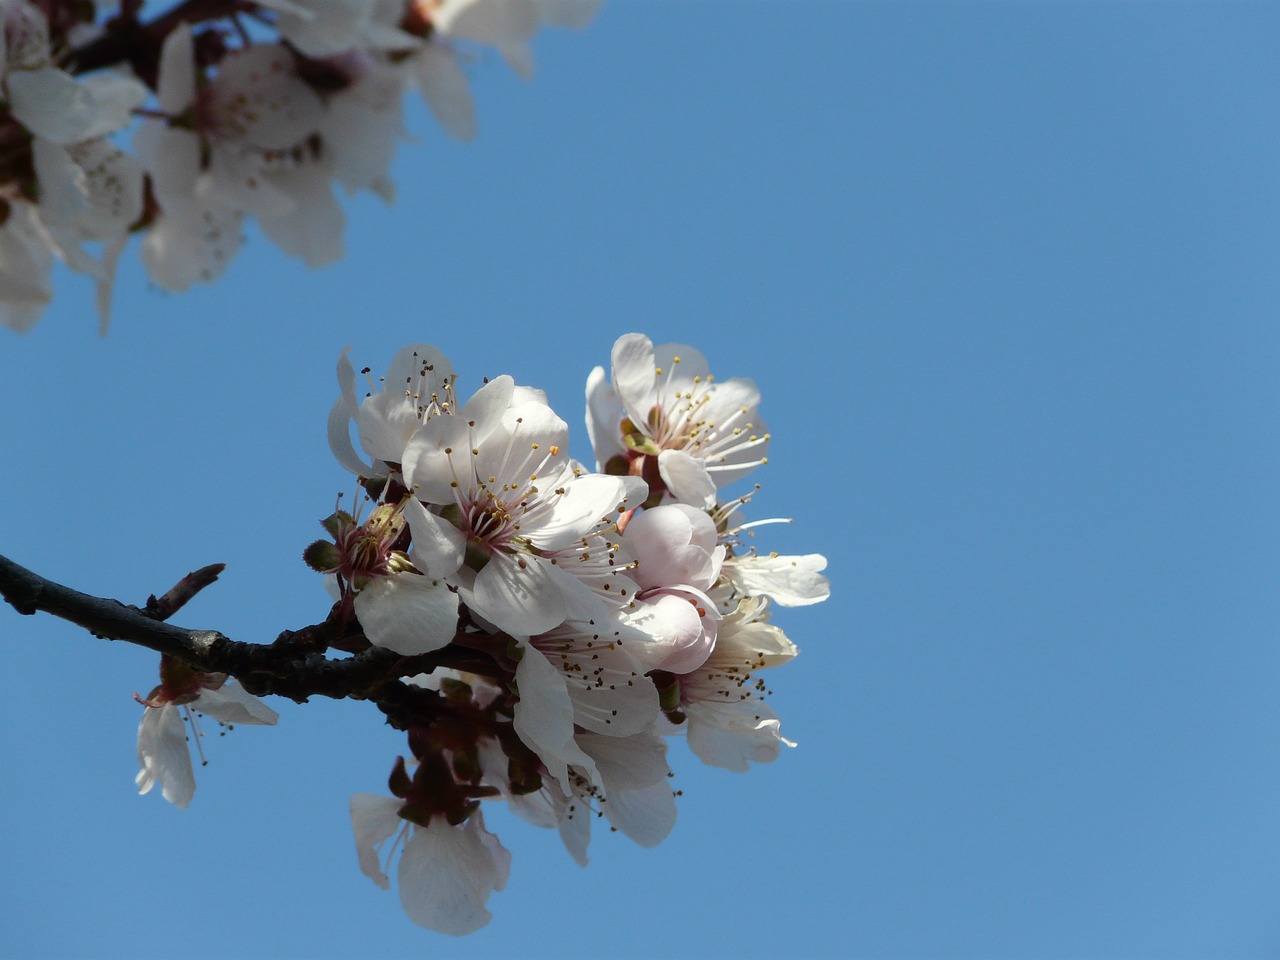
321, 556
338, 521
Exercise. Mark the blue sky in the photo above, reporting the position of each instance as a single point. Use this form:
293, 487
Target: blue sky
1007, 277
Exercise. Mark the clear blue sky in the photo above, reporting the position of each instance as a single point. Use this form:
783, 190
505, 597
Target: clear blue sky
1007, 275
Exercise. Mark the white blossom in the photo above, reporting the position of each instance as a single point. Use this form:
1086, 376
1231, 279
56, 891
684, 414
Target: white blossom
509, 499
445, 873
163, 751
663, 403
729, 724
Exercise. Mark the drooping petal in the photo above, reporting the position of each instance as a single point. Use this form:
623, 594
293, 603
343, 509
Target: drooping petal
164, 755
231, 703
638, 797
575, 829
447, 873
374, 820
544, 717
192, 245
312, 229
734, 735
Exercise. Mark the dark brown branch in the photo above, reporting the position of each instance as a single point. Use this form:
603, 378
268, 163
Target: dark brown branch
126, 40
294, 666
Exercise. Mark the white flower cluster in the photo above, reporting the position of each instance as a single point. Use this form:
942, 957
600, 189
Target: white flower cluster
235, 126
571, 619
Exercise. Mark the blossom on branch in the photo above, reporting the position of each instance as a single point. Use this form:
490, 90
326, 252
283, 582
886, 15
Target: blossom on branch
593, 614
183, 693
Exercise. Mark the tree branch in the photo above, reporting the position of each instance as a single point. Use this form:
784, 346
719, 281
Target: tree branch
293, 666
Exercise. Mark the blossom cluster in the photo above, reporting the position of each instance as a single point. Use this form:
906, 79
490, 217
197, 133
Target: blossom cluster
553, 624
244, 109
592, 613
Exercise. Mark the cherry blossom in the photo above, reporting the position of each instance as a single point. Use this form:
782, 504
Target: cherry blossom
508, 498
445, 872
664, 417
729, 723
163, 751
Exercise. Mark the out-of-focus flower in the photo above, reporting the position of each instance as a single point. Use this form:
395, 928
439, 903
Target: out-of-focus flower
62, 184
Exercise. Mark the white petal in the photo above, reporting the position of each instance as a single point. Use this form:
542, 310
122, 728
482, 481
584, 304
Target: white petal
544, 717
604, 414
172, 158
734, 735
687, 478
574, 14
444, 88
258, 98
231, 703
64, 194
447, 874
115, 97
492, 22
791, 581
638, 797
51, 104
587, 499
339, 429
113, 180
312, 229
374, 820
25, 264
164, 755
633, 374
675, 545
575, 829
192, 245
177, 77
408, 613
519, 58
519, 594
438, 546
